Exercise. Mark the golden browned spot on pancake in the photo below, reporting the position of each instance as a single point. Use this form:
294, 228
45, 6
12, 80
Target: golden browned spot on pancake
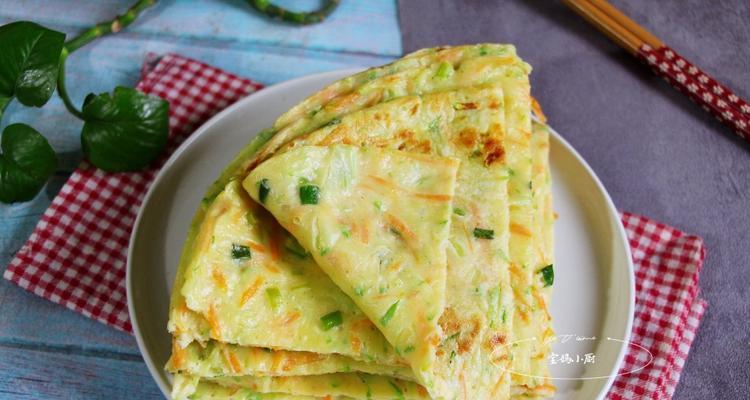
468, 106
344, 101
414, 110
494, 104
410, 143
493, 151
467, 138
467, 339
422, 391
355, 342
378, 116
496, 340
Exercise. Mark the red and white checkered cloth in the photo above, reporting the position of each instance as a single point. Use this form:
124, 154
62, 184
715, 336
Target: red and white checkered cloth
76, 255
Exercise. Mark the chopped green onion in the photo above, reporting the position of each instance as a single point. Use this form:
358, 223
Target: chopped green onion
295, 248
409, 349
241, 252
378, 205
332, 122
480, 233
332, 320
263, 189
445, 70
347, 232
389, 314
273, 294
309, 194
359, 291
250, 218
459, 211
399, 393
548, 275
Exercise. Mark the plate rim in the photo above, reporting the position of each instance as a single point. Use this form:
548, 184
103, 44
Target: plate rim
155, 371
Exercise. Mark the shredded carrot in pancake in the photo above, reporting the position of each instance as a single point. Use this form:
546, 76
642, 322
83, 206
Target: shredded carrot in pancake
519, 229
257, 247
289, 318
400, 226
218, 277
213, 321
390, 185
250, 291
434, 197
232, 360
178, 355
537, 110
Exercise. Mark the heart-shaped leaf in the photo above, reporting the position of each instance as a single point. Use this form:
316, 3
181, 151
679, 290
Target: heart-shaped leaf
26, 162
29, 62
124, 131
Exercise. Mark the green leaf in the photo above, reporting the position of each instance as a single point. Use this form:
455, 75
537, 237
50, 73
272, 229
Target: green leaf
124, 131
29, 62
26, 162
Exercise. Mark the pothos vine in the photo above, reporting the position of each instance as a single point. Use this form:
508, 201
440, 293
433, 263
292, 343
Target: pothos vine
122, 131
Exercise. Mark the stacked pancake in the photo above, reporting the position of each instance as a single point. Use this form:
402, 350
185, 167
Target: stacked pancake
389, 238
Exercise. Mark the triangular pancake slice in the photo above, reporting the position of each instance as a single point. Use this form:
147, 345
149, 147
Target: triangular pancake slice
377, 222
470, 124
255, 286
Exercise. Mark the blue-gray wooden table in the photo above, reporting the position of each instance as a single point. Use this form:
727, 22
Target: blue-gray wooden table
47, 351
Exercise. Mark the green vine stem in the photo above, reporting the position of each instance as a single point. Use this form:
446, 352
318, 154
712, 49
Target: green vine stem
298, 18
102, 29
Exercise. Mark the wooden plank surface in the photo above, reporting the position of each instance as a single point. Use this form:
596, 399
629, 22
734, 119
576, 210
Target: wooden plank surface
47, 351
52, 373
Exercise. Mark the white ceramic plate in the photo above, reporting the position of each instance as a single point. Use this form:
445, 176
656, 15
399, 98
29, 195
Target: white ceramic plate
594, 282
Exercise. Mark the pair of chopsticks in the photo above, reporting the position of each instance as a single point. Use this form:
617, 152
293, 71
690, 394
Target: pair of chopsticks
700, 87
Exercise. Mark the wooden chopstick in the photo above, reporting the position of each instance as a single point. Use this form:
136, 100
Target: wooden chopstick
700, 87
609, 26
622, 19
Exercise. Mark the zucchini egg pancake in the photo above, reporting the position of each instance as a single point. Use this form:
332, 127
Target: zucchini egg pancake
388, 237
